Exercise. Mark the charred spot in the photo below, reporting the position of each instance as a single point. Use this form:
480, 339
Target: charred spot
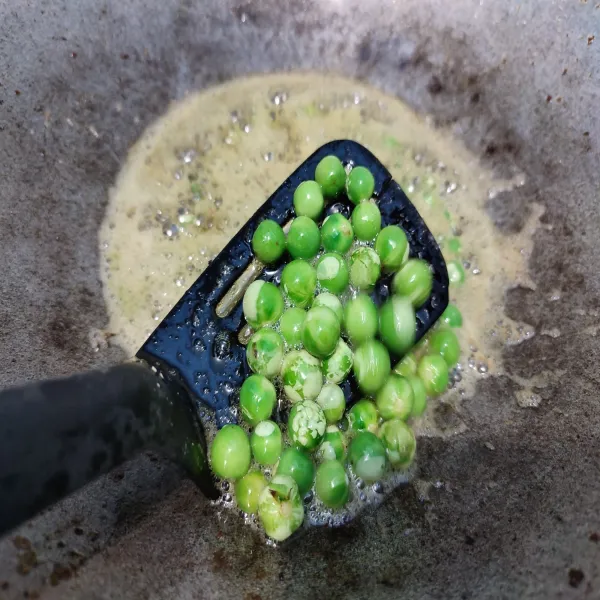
435, 85
365, 51
576, 577
60, 573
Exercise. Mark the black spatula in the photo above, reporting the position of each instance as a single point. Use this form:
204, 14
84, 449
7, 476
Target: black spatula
56, 436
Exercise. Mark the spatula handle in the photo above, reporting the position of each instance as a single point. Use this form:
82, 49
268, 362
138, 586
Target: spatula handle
58, 435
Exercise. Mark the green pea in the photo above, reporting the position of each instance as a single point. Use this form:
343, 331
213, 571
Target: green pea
280, 508
363, 416
433, 372
419, 395
299, 282
452, 317
368, 456
248, 490
395, 398
360, 319
230, 453
454, 245
336, 367
264, 352
303, 238
266, 443
333, 446
366, 221
399, 442
392, 247
371, 366
330, 301
301, 376
407, 366
330, 175
360, 185
306, 425
337, 234
268, 241
332, 484
332, 272
263, 304
365, 268
308, 200
299, 466
290, 325
397, 324
414, 280
320, 331
257, 399
331, 399
456, 272
445, 343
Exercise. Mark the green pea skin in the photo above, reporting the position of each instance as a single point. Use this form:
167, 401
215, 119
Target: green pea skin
368, 456
445, 343
452, 317
230, 453
320, 331
361, 319
299, 282
332, 484
414, 280
419, 395
306, 425
360, 185
330, 175
399, 442
336, 367
257, 399
262, 304
264, 352
290, 325
330, 301
397, 325
333, 446
366, 221
363, 416
308, 200
299, 466
456, 272
337, 234
301, 376
365, 268
433, 372
392, 247
280, 508
248, 490
268, 241
395, 399
332, 272
371, 366
331, 399
407, 366
303, 238
266, 443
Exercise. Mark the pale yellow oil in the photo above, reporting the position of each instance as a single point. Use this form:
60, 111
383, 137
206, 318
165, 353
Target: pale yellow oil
200, 171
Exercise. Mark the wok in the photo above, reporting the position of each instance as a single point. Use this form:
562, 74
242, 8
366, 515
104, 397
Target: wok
515, 512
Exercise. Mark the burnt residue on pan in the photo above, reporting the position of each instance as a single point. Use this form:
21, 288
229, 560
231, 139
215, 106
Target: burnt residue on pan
512, 502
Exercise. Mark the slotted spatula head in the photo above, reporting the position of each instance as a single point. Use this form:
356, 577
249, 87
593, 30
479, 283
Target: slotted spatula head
197, 347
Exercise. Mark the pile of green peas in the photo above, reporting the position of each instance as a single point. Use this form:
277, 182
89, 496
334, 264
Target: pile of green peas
313, 330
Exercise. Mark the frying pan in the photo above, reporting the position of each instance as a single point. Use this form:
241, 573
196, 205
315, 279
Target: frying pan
514, 513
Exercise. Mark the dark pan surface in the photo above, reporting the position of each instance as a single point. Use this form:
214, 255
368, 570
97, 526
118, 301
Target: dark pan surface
515, 513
